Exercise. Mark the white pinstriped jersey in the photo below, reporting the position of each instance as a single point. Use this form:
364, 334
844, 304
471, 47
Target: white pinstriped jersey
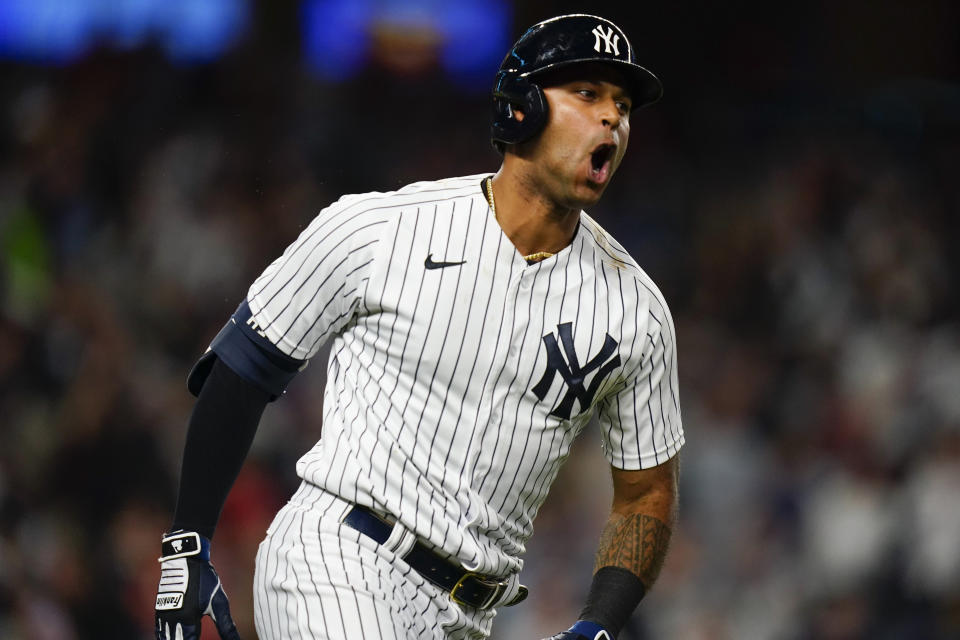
459, 375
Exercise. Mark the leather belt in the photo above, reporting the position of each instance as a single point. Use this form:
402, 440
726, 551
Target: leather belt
465, 587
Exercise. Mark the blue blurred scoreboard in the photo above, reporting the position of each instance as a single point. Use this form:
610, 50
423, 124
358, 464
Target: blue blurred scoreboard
339, 38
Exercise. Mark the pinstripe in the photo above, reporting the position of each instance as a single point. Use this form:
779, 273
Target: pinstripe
548, 471
287, 575
389, 339
261, 592
663, 417
291, 571
339, 619
528, 385
429, 408
285, 266
597, 282
291, 296
353, 591
376, 610
274, 270
419, 358
351, 204
274, 608
406, 339
653, 431
403, 353
514, 433
443, 344
668, 372
464, 475
313, 584
633, 344
503, 368
306, 304
276, 572
543, 321
470, 477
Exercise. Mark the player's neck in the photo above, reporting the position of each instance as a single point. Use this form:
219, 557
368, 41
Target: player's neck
531, 221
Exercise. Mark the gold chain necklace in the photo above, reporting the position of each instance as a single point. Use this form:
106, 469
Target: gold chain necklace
533, 257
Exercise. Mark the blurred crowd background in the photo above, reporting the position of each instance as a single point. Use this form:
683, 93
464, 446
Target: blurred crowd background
796, 195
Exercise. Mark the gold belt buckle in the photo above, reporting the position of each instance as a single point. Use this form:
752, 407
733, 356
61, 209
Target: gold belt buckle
494, 596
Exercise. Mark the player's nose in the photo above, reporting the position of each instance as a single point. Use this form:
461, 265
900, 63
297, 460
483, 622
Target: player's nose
610, 113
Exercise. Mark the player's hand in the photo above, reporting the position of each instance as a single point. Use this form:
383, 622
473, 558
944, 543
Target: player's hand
190, 589
583, 630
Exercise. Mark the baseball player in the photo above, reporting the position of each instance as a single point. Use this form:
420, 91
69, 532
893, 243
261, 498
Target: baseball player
477, 323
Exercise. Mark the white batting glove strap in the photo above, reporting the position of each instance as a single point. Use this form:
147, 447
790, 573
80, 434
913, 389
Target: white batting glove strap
174, 577
183, 544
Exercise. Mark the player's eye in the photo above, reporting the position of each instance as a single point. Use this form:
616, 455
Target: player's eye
587, 93
623, 106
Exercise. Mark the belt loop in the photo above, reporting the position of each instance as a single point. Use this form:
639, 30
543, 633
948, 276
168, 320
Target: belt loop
463, 586
511, 590
401, 540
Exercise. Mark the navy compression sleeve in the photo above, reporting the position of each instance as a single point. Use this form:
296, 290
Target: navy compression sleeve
221, 430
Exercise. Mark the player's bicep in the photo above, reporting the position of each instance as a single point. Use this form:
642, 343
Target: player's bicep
249, 353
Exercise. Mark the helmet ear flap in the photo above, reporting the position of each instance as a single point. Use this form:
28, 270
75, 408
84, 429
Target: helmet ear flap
512, 91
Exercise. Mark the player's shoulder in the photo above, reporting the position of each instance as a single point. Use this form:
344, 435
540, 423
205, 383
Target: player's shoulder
424, 192
616, 261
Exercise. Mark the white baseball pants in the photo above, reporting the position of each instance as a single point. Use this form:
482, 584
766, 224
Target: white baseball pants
317, 578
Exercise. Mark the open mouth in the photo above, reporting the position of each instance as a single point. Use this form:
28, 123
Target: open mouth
600, 160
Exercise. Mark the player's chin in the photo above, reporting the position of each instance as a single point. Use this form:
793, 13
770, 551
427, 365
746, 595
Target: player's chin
591, 191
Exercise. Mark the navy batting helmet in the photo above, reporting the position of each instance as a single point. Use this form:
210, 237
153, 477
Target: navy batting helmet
552, 44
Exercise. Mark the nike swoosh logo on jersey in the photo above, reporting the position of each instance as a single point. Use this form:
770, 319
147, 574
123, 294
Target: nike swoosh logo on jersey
430, 264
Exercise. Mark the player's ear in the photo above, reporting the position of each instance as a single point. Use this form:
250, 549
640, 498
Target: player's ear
517, 112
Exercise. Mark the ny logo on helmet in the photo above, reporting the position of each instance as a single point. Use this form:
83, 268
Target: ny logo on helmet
572, 373
610, 40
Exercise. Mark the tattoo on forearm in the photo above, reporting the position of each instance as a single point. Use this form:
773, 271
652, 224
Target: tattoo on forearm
637, 542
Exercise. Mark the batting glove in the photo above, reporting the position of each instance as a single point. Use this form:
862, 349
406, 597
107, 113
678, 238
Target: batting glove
583, 630
190, 589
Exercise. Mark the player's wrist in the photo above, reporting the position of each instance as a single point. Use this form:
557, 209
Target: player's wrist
187, 524
584, 630
590, 630
184, 544
614, 594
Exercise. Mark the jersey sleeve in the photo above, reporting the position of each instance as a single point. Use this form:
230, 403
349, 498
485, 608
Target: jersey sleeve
640, 423
313, 289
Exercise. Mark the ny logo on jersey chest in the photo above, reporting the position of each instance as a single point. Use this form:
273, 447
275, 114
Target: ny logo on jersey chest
573, 374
